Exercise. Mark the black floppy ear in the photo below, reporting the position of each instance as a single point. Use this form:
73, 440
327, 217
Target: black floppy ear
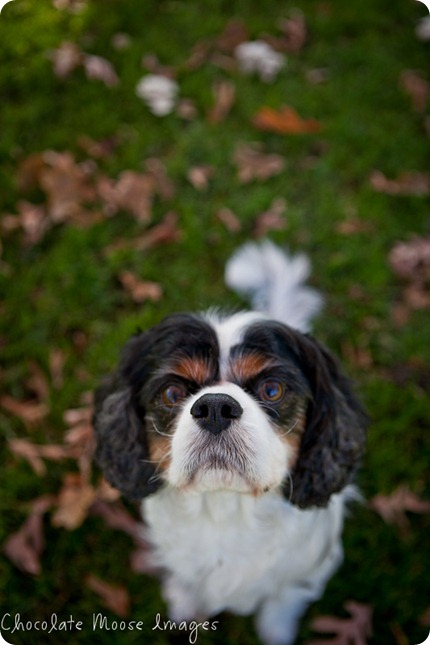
335, 434
121, 443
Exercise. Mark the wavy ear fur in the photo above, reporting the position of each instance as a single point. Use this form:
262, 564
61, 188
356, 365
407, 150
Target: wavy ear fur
121, 443
335, 434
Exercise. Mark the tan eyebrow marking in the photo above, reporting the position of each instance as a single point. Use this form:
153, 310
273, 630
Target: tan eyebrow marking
248, 366
192, 369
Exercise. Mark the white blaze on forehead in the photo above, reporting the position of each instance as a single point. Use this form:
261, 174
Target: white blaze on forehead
230, 331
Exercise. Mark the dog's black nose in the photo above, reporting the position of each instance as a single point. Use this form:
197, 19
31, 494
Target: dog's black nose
215, 412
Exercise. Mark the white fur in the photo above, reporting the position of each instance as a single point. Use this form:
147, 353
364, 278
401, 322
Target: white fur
274, 282
230, 551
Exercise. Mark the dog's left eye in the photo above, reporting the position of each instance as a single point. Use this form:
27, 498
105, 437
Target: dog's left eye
173, 394
271, 391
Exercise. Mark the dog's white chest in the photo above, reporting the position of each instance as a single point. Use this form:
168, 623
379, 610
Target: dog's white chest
228, 550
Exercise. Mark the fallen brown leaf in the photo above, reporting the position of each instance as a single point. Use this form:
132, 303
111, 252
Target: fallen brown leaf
25, 547
165, 232
199, 176
163, 185
225, 94
140, 290
132, 192
234, 33
66, 59
103, 149
117, 517
100, 69
35, 453
114, 597
271, 220
411, 260
74, 501
38, 383
32, 219
230, 220
418, 89
66, 184
284, 121
348, 631
29, 412
354, 226
393, 508
416, 184
252, 163
57, 359
295, 32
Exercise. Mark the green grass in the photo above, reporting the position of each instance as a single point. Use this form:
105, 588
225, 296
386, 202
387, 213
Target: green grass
67, 283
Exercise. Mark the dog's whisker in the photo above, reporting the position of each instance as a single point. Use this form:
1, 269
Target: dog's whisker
284, 434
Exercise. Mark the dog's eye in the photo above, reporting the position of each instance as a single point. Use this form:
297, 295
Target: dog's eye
173, 394
271, 391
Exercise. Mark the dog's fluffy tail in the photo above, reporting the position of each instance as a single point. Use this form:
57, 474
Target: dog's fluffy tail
273, 281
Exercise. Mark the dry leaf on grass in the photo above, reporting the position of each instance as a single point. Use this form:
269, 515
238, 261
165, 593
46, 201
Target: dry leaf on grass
163, 186
73, 502
114, 597
418, 89
35, 453
271, 220
234, 33
284, 121
165, 232
393, 508
411, 260
66, 184
100, 69
416, 184
38, 383
347, 631
29, 412
32, 219
295, 32
230, 220
117, 517
354, 226
132, 192
252, 163
66, 58
225, 95
25, 547
140, 290
57, 358
199, 176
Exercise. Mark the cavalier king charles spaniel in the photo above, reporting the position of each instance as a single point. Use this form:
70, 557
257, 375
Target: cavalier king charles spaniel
241, 437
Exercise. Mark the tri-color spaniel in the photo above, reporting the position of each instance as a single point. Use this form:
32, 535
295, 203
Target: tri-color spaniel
241, 436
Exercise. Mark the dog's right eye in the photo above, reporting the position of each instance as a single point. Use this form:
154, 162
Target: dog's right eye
173, 394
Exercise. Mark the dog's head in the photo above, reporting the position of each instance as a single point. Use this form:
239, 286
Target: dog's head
239, 403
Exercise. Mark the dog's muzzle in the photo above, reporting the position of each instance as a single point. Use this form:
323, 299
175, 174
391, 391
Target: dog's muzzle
215, 412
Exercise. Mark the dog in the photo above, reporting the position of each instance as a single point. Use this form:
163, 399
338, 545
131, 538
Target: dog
240, 436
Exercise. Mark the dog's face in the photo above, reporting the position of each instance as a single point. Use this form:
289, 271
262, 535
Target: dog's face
239, 403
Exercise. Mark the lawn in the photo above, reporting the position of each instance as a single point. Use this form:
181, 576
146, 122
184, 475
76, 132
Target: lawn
111, 217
